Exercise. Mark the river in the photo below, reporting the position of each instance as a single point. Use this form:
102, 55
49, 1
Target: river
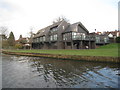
36, 72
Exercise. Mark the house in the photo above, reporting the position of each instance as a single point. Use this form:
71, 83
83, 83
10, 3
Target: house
101, 39
112, 35
25, 42
63, 35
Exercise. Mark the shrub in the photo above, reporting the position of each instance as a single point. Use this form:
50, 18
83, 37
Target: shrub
118, 40
18, 46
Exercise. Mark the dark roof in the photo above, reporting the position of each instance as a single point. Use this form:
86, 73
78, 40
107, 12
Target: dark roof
72, 27
45, 30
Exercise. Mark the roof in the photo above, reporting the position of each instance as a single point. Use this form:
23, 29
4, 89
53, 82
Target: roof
112, 32
45, 30
72, 27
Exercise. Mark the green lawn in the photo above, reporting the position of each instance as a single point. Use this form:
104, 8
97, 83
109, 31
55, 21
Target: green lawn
107, 50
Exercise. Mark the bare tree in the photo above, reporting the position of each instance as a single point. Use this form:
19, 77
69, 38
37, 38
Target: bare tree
61, 18
3, 30
31, 35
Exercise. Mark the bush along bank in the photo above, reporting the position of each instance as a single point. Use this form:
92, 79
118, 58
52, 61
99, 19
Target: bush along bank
70, 57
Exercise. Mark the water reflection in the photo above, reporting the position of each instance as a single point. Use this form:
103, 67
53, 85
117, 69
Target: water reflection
34, 72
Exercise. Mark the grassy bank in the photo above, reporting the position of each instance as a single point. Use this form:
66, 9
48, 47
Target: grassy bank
110, 50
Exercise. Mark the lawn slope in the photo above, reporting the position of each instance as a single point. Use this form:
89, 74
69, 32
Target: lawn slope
106, 50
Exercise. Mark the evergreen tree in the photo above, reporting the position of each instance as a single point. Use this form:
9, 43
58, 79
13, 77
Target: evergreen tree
11, 39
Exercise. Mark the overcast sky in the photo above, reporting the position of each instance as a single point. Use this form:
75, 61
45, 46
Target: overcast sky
20, 15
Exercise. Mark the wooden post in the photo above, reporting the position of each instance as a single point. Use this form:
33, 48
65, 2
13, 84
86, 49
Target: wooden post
81, 45
89, 45
94, 45
65, 44
72, 45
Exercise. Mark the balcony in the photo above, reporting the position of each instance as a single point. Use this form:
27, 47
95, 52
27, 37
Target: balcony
84, 37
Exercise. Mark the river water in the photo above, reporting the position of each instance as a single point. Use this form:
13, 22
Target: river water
36, 72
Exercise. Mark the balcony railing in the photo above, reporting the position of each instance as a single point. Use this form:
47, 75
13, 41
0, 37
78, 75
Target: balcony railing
102, 41
85, 37
75, 37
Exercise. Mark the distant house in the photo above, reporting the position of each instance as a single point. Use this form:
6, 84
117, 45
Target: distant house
63, 35
112, 35
100, 38
25, 42
106, 37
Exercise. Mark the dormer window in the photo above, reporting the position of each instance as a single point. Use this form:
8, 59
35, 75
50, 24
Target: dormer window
53, 29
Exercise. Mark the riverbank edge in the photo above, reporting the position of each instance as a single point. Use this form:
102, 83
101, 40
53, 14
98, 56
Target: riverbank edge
70, 57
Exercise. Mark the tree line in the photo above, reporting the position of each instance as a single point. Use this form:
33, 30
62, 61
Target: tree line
6, 42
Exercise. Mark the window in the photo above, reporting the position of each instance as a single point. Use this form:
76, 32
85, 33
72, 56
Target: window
97, 39
106, 39
53, 29
77, 36
83, 36
43, 38
55, 37
37, 39
51, 38
33, 40
66, 36
74, 33
63, 27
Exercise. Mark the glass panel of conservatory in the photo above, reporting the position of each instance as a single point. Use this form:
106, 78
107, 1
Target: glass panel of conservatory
97, 39
83, 36
74, 33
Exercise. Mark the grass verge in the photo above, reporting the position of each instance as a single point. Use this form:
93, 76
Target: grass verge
106, 50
